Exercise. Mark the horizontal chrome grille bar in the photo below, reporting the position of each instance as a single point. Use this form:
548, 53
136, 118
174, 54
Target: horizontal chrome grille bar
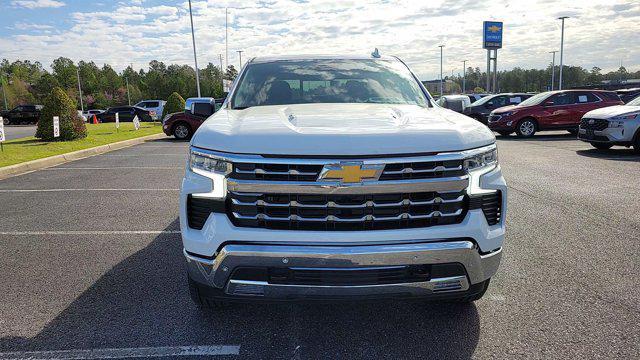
402, 216
420, 171
331, 204
269, 172
454, 183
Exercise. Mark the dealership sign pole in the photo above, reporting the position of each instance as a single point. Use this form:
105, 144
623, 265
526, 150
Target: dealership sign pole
1, 134
492, 41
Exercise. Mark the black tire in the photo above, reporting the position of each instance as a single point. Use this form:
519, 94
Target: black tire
504, 133
6, 121
601, 146
526, 128
182, 131
636, 143
475, 297
201, 301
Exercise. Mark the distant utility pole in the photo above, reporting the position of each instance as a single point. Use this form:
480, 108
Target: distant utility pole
128, 93
80, 89
226, 37
553, 68
195, 58
441, 89
561, 50
464, 76
240, 55
4, 94
221, 73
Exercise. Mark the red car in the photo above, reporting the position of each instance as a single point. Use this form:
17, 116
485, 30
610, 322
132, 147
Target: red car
552, 110
184, 124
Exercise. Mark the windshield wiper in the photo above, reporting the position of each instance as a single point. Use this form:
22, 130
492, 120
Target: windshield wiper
241, 107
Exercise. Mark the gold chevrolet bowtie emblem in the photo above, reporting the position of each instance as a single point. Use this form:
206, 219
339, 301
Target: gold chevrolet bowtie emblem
352, 172
493, 28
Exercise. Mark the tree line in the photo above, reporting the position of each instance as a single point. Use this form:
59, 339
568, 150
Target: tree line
27, 82
537, 80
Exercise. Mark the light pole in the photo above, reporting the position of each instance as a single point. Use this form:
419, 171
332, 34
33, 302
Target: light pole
240, 55
561, 50
195, 58
441, 89
4, 94
553, 68
464, 76
226, 37
80, 89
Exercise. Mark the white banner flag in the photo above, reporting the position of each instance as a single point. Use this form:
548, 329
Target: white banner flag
117, 120
136, 122
56, 126
1, 129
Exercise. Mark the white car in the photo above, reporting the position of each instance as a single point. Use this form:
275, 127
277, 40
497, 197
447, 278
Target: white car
613, 125
338, 176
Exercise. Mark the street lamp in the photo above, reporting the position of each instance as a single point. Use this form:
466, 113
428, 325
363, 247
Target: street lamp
441, 89
553, 68
195, 59
80, 88
561, 18
4, 94
464, 76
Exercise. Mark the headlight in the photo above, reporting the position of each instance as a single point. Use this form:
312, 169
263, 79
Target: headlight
481, 161
616, 123
621, 118
201, 162
166, 117
509, 113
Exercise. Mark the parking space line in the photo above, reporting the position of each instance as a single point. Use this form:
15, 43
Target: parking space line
117, 167
91, 232
118, 353
63, 190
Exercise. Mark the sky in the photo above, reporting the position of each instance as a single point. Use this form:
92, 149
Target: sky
598, 33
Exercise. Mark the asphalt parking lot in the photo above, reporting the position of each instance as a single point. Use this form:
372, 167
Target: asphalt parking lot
91, 261
19, 131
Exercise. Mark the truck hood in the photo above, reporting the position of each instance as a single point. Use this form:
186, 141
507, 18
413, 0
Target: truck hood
611, 111
340, 129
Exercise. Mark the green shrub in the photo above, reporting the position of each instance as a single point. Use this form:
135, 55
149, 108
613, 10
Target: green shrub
58, 103
175, 103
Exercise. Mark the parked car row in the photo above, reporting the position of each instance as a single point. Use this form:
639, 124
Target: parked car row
22, 114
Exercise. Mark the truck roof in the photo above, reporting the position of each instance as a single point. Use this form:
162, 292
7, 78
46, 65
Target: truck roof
263, 59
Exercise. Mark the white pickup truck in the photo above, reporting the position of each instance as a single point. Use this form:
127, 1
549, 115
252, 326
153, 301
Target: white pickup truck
332, 177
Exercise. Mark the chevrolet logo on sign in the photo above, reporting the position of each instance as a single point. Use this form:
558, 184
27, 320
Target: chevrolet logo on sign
350, 172
493, 28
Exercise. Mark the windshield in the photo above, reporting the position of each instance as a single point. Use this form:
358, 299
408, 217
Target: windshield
535, 99
634, 102
327, 81
483, 100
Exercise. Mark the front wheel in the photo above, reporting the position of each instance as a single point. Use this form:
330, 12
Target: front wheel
6, 121
601, 146
182, 131
636, 144
526, 128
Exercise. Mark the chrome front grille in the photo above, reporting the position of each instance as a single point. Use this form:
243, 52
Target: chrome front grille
346, 212
301, 172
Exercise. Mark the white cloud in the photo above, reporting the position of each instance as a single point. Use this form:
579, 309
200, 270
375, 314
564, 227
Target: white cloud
598, 33
35, 4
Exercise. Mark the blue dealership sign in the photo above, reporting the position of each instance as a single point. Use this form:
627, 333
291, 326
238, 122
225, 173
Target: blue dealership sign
492, 35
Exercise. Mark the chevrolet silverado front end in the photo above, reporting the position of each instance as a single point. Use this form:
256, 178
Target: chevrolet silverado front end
337, 177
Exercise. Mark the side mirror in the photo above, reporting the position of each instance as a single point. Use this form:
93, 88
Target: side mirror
201, 109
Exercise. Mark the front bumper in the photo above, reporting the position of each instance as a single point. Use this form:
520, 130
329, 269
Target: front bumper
616, 136
219, 274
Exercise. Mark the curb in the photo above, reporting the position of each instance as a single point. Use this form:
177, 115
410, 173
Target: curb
25, 167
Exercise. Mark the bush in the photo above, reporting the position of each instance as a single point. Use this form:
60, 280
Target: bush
175, 103
58, 103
